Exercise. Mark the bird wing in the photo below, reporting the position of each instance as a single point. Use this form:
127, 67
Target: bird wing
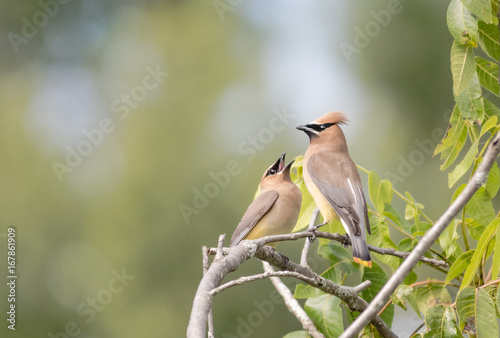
257, 209
337, 178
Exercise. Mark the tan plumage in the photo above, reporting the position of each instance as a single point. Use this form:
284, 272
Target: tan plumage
275, 210
333, 181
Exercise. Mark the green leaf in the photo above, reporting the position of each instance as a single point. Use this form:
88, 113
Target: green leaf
487, 72
474, 129
410, 278
340, 259
482, 9
490, 109
306, 210
459, 265
463, 66
419, 229
470, 102
480, 207
498, 298
463, 166
308, 205
466, 309
494, 9
440, 322
451, 154
458, 192
393, 214
493, 181
489, 124
430, 295
495, 266
378, 278
407, 293
410, 211
475, 229
326, 313
489, 38
303, 291
448, 241
381, 237
482, 245
297, 334
406, 244
476, 312
380, 191
462, 24
453, 131
332, 227
340, 264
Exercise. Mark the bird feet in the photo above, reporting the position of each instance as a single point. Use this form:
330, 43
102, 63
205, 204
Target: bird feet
345, 241
313, 231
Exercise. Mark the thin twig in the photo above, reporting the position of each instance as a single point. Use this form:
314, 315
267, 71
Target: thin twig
490, 283
204, 254
365, 285
264, 275
341, 239
382, 251
219, 254
292, 304
417, 329
307, 244
427, 240
206, 265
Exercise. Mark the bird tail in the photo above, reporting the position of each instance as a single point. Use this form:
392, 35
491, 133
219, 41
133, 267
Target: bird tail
360, 251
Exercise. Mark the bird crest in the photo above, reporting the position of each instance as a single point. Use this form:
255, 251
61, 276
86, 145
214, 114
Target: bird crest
333, 117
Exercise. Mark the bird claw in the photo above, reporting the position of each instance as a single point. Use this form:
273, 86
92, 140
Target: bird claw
345, 241
313, 231
313, 237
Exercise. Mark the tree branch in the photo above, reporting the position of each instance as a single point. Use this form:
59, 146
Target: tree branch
348, 295
382, 251
247, 279
292, 304
430, 237
220, 244
341, 239
206, 265
307, 244
245, 250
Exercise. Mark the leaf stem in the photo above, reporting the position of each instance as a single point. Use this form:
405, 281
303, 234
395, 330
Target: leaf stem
464, 231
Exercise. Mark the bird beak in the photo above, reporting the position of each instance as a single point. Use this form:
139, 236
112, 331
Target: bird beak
306, 129
287, 168
281, 162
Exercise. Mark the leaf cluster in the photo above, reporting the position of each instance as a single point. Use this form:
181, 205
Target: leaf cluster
467, 299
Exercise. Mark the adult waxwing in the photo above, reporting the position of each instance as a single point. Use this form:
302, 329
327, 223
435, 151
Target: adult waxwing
333, 180
275, 210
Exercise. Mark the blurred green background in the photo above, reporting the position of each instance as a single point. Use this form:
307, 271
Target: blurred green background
90, 204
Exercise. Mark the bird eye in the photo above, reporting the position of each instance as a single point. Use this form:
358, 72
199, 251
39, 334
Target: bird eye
272, 171
322, 127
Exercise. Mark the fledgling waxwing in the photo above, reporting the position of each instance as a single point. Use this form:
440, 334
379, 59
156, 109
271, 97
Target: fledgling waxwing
275, 210
333, 180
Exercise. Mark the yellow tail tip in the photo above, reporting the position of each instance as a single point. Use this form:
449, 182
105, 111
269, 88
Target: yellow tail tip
368, 264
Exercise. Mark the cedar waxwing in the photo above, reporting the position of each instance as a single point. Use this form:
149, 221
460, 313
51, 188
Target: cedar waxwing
275, 210
333, 180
